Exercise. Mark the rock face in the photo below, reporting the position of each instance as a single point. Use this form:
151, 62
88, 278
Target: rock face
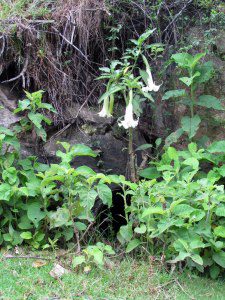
8, 104
102, 135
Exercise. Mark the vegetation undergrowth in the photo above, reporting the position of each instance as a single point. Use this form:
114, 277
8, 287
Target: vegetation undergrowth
177, 213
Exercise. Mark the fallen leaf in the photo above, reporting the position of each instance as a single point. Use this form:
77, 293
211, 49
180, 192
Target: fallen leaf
58, 271
39, 263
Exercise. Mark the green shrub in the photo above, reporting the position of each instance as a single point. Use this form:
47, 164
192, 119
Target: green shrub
181, 216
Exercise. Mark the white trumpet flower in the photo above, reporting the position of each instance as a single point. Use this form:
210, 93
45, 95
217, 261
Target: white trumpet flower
104, 113
151, 86
129, 121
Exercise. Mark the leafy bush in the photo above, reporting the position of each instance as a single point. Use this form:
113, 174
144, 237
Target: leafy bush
180, 216
41, 204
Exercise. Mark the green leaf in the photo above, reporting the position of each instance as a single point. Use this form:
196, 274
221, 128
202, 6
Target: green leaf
142, 229
149, 173
220, 211
174, 94
5, 191
85, 171
183, 210
144, 36
153, 210
191, 161
219, 258
132, 245
80, 226
217, 147
182, 59
59, 218
174, 137
34, 213
190, 125
112, 90
78, 260
26, 235
172, 153
10, 175
87, 198
220, 231
214, 271
189, 80
82, 150
210, 102
22, 105
126, 232
144, 147
105, 194
36, 119
197, 259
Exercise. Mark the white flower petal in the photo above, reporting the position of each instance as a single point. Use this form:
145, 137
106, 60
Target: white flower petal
129, 121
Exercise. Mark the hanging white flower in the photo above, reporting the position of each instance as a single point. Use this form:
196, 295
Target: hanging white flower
104, 113
129, 121
151, 86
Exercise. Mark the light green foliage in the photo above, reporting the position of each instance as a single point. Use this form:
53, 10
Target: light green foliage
180, 216
42, 204
95, 255
197, 74
33, 118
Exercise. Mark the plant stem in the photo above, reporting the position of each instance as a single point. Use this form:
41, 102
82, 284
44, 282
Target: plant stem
132, 166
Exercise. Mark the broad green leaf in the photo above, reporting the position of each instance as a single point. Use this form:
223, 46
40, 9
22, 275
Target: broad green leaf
172, 153
192, 161
214, 271
27, 235
219, 258
153, 210
85, 171
59, 218
197, 259
183, 210
142, 229
149, 173
105, 194
221, 170
36, 119
10, 175
210, 102
78, 260
189, 80
220, 231
34, 213
25, 223
190, 125
206, 69
5, 191
174, 94
82, 150
217, 147
182, 59
220, 211
22, 105
126, 232
174, 137
132, 245
80, 226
